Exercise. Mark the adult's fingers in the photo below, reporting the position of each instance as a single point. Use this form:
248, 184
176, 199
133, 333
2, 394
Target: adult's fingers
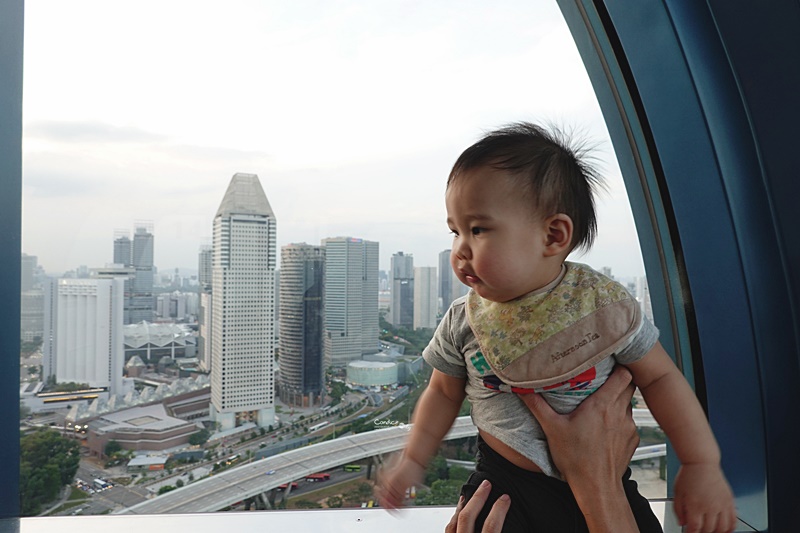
452, 526
463, 521
618, 387
497, 515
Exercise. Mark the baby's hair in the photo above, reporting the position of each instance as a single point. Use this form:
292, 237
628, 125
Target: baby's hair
552, 169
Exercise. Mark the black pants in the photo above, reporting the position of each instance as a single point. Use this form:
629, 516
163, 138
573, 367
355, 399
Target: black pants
540, 503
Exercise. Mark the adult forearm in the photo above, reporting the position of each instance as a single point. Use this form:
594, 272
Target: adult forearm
605, 508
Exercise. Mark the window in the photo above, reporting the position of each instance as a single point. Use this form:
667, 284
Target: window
351, 117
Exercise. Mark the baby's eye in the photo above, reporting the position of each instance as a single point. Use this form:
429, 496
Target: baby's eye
453, 232
478, 231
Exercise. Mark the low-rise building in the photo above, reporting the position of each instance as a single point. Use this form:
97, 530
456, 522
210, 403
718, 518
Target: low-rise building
148, 428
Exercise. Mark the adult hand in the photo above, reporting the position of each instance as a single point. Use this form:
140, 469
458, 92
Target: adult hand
599, 434
463, 521
592, 447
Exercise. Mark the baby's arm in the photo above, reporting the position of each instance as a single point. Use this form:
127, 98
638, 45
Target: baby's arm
703, 498
434, 414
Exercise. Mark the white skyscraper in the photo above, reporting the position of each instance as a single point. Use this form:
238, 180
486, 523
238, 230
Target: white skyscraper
243, 317
351, 299
84, 340
426, 297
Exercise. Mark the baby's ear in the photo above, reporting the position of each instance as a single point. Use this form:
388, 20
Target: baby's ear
559, 234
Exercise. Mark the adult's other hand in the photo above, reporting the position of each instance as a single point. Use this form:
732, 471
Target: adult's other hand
463, 521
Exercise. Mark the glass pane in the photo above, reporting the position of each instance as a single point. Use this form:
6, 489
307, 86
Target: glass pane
350, 114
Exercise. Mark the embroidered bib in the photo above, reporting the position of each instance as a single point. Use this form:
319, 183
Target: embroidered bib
551, 335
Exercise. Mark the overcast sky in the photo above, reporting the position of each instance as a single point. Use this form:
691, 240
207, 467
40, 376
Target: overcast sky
351, 113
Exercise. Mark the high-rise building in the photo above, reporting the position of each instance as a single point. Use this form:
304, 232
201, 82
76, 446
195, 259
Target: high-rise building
243, 317
302, 323
27, 272
31, 324
446, 277
204, 322
401, 283
426, 297
137, 254
122, 248
351, 299
204, 266
142, 303
450, 287
83, 333
643, 297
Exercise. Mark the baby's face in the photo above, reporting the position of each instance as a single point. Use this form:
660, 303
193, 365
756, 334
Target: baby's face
498, 243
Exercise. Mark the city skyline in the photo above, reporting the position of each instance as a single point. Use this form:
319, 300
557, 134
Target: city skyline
155, 133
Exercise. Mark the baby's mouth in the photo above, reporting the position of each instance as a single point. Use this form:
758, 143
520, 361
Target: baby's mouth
470, 278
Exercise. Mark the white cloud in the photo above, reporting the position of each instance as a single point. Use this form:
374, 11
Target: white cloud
350, 112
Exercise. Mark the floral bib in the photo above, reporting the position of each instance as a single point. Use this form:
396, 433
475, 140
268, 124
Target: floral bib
554, 334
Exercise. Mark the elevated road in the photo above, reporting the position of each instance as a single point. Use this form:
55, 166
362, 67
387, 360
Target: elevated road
252, 479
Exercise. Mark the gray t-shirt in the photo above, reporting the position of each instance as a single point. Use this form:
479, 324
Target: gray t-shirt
453, 350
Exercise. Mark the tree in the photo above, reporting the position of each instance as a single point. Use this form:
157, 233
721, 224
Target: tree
443, 492
179, 483
334, 502
48, 461
307, 504
458, 473
113, 447
437, 469
199, 438
165, 489
24, 411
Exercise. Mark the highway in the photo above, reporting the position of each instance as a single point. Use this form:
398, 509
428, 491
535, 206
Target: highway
251, 479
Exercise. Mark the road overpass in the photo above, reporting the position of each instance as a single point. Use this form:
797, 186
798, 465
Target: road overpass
252, 479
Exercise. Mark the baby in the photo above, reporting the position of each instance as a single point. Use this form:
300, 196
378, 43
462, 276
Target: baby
518, 202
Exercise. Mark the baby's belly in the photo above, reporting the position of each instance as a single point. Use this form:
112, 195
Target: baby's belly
510, 454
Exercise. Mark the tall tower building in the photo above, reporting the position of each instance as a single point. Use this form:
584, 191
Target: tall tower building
31, 324
122, 257
351, 299
122, 248
643, 297
27, 272
302, 323
204, 264
426, 297
243, 317
401, 282
142, 303
83, 340
446, 277
450, 287
205, 313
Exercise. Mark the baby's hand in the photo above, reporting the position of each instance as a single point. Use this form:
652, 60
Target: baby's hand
393, 484
703, 499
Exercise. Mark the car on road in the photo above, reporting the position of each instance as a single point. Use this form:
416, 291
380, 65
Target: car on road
270, 472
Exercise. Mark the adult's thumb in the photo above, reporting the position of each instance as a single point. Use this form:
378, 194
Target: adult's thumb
539, 407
